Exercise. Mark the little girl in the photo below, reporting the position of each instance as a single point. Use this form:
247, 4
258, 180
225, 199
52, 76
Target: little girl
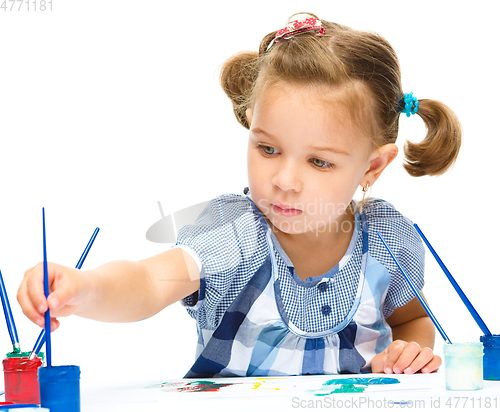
290, 278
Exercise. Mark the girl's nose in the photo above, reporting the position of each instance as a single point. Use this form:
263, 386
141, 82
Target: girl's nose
287, 177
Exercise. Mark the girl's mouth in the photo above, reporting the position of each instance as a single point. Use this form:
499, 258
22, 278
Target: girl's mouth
284, 210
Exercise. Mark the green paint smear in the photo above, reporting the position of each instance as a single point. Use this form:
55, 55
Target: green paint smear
18, 354
350, 385
194, 383
362, 381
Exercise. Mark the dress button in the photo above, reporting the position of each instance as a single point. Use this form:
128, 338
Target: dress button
326, 310
323, 286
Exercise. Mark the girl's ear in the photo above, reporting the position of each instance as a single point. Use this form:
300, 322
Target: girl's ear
382, 157
249, 113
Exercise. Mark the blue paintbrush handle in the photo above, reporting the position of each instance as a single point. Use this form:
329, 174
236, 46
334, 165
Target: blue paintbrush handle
87, 249
9, 318
38, 345
48, 343
41, 338
417, 293
464, 298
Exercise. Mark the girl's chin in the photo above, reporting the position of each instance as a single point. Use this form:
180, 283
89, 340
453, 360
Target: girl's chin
287, 227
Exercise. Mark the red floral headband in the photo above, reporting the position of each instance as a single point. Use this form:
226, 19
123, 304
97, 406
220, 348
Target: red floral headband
300, 25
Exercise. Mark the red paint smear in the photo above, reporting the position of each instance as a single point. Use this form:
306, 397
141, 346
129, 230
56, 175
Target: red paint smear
213, 387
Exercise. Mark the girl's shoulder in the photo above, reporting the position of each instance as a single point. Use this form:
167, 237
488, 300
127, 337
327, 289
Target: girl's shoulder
398, 230
379, 209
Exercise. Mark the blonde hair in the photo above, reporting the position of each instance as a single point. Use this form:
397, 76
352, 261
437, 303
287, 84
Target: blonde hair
344, 57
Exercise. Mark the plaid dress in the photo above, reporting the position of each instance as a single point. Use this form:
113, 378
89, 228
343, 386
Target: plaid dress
256, 317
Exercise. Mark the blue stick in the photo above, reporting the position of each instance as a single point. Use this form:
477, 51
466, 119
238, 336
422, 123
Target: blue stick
415, 290
9, 318
48, 346
38, 345
41, 338
464, 298
87, 249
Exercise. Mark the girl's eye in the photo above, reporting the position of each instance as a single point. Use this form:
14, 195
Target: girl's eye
267, 150
321, 164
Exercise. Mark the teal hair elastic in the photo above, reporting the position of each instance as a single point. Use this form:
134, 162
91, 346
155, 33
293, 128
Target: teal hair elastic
410, 104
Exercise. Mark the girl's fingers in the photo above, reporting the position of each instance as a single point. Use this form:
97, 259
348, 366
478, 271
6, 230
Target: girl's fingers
62, 295
394, 351
378, 362
27, 305
54, 324
406, 357
433, 365
411, 352
33, 279
31, 295
68, 291
422, 359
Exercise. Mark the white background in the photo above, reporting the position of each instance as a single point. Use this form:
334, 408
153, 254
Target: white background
107, 107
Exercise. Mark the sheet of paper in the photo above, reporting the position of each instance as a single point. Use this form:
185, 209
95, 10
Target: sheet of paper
367, 391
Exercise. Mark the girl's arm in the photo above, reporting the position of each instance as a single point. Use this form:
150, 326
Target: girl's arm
413, 339
119, 291
411, 323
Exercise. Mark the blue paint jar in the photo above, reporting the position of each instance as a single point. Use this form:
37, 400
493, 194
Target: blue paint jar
491, 360
60, 388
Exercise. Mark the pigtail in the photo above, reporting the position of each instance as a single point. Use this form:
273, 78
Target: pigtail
438, 151
237, 78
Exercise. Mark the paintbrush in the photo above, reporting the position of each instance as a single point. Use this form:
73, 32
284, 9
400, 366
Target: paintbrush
464, 298
9, 318
417, 293
48, 343
41, 338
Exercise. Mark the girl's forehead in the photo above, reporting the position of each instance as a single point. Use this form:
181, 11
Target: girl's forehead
346, 109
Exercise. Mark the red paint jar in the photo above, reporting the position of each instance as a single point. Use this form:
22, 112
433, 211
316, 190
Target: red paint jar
21, 383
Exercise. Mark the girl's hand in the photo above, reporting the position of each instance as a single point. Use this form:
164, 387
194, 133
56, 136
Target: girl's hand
69, 289
405, 357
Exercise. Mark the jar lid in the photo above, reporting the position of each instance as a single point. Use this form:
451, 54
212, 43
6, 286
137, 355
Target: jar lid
490, 340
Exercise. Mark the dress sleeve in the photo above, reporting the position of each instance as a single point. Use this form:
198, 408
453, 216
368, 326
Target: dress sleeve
404, 241
223, 241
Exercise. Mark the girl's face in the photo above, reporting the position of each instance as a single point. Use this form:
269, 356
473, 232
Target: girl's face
304, 162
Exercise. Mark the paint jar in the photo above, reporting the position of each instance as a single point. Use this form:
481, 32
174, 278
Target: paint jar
491, 360
463, 366
60, 388
21, 385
